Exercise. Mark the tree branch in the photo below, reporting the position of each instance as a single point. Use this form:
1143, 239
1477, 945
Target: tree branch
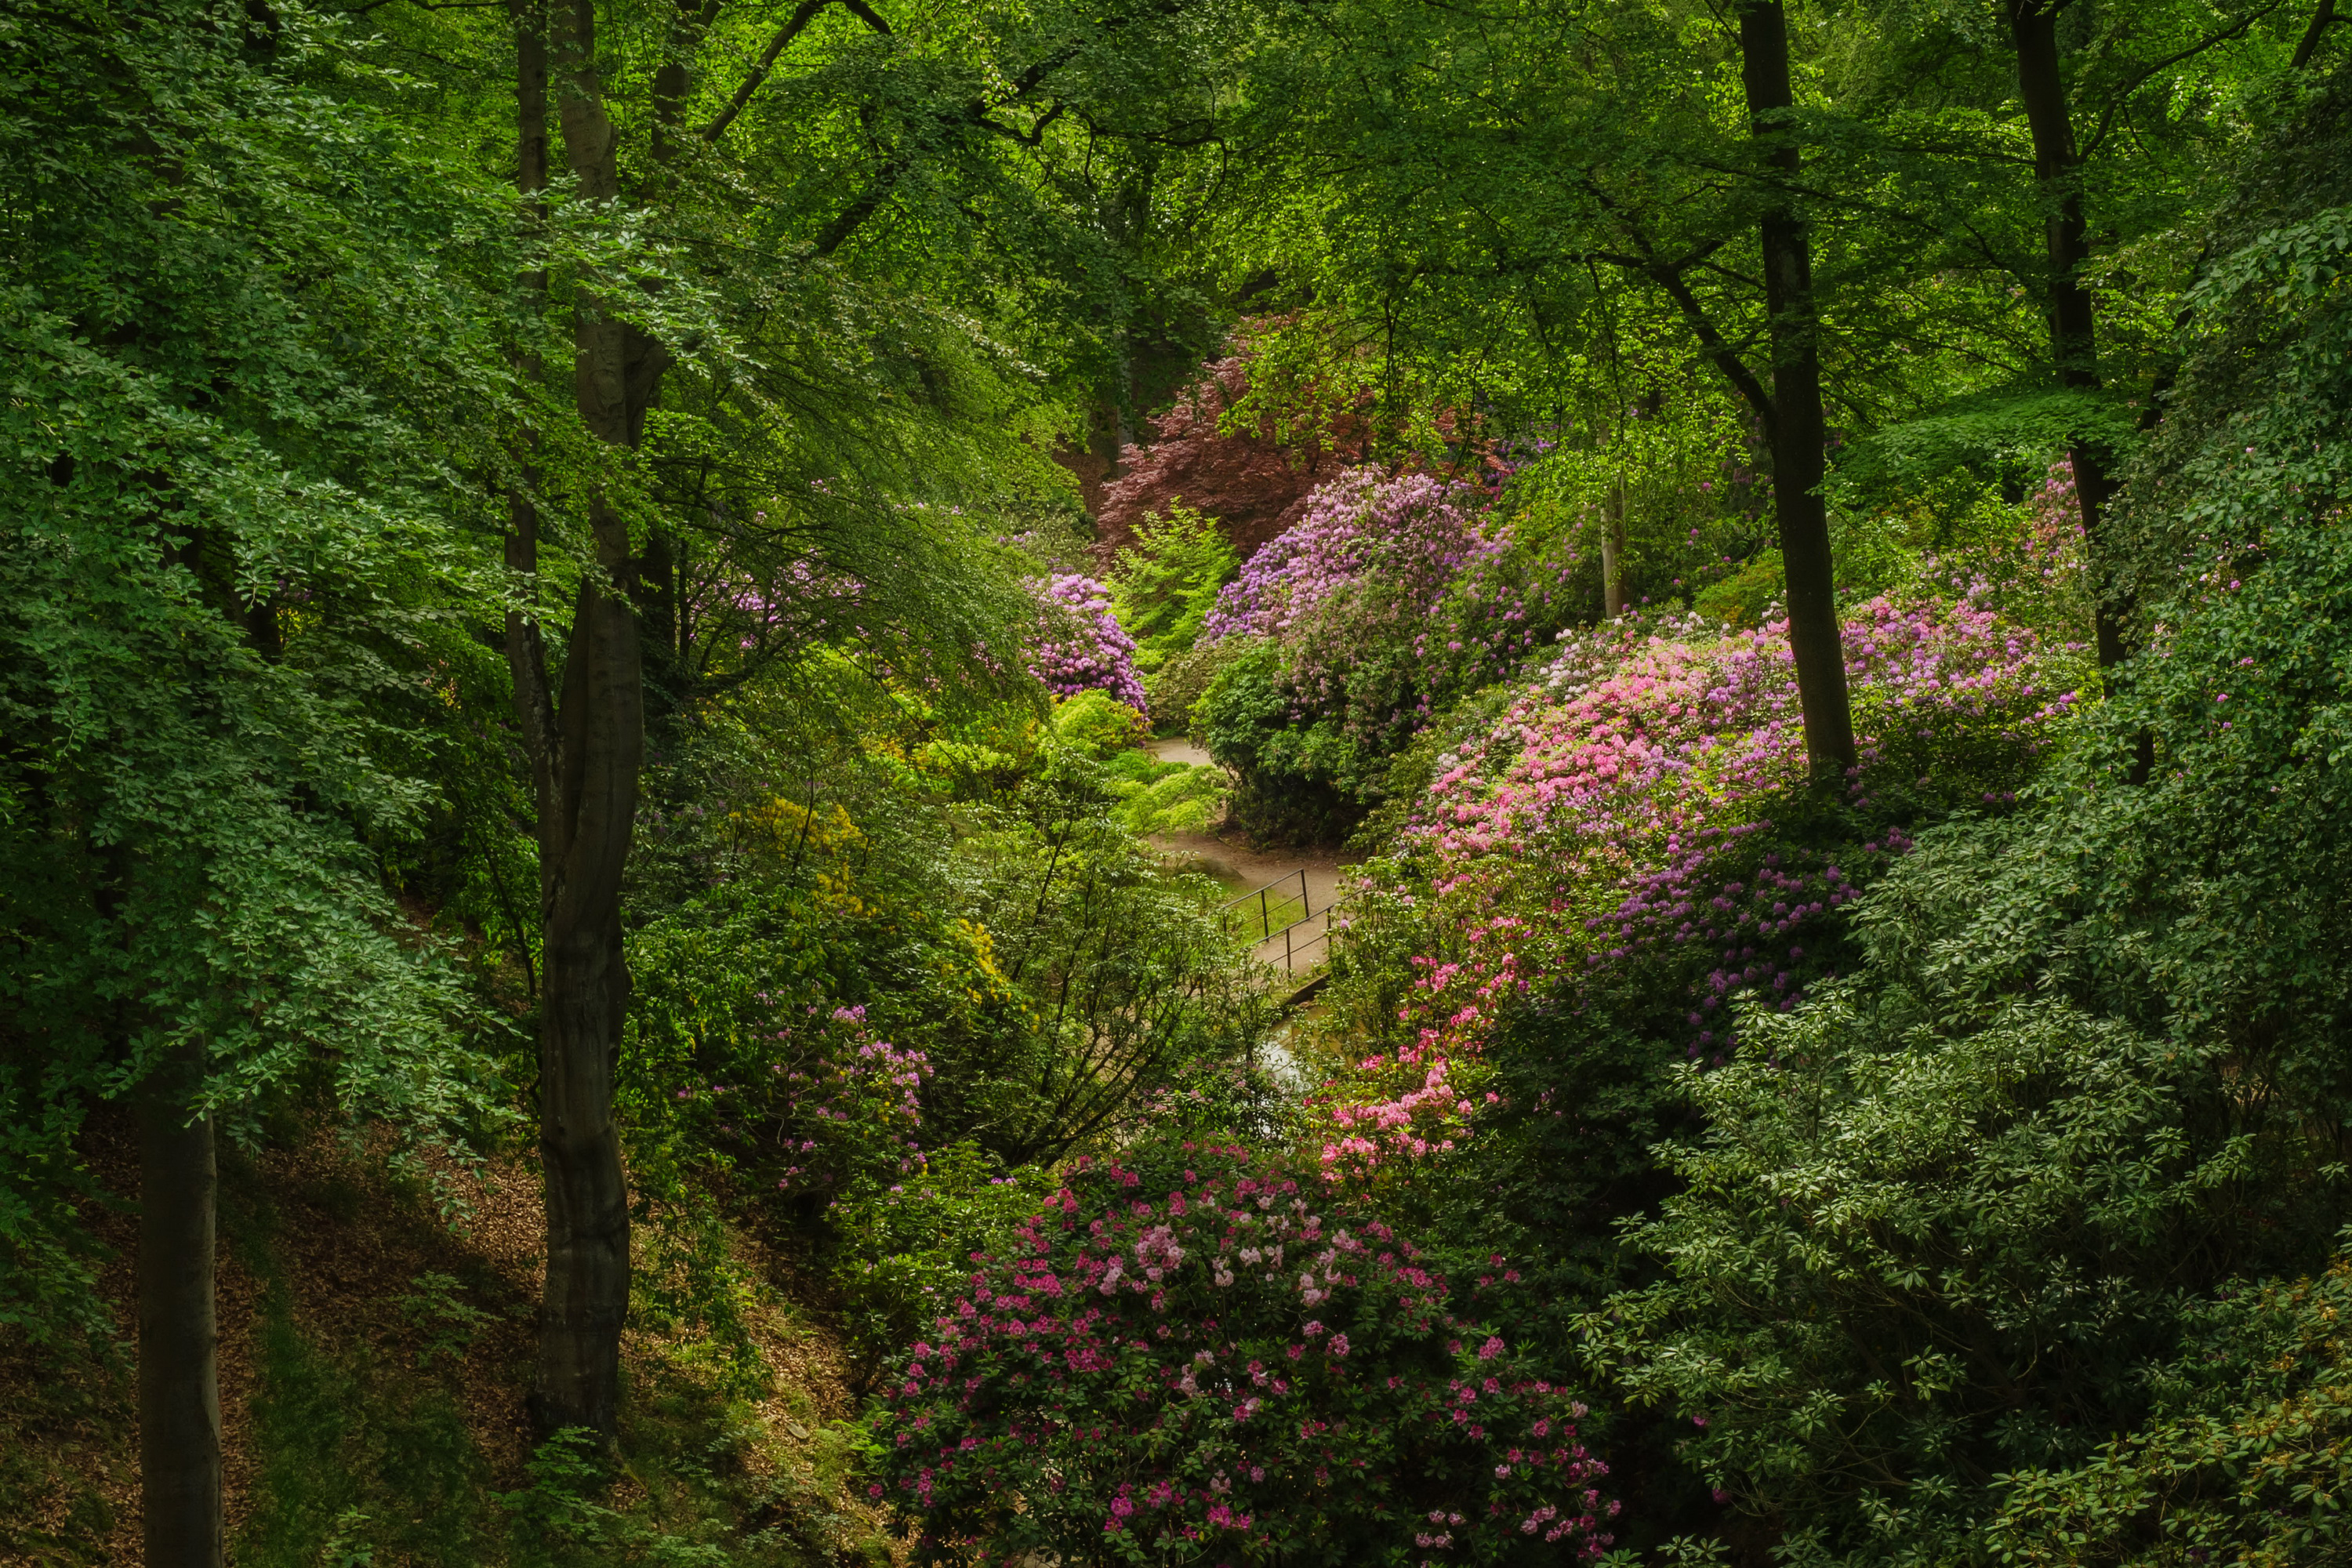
2117, 101
2320, 18
1726, 358
793, 27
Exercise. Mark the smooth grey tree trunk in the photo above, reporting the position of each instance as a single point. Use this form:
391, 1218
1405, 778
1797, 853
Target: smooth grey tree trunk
1612, 553
587, 749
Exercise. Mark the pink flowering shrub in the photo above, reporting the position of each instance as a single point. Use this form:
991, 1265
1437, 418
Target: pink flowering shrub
838, 1101
1199, 1359
1630, 832
1080, 646
2037, 574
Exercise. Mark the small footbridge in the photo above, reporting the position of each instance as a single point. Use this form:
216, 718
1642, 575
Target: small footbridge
1288, 927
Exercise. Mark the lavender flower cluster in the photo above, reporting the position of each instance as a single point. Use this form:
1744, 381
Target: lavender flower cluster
1413, 534
1080, 645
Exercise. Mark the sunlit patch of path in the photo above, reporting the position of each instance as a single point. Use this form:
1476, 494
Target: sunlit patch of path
1317, 874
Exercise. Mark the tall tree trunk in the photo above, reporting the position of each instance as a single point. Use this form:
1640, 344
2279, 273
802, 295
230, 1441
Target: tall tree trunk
179, 1385
1612, 553
587, 749
2074, 326
1798, 430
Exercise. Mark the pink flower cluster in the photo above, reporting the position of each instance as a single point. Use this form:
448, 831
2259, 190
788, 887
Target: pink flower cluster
1080, 646
1615, 816
800, 602
1636, 736
1209, 1359
837, 1101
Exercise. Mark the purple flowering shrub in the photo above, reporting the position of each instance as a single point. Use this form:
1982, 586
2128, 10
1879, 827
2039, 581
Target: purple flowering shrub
812, 1101
1080, 646
729, 1054
1199, 1359
1412, 534
1352, 593
1329, 681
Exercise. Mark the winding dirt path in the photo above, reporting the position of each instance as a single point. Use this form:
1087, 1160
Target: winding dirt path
1244, 869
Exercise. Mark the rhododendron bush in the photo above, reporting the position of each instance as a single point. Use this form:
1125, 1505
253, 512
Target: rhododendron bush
1080, 646
1390, 595
1393, 598
1200, 1358
1628, 836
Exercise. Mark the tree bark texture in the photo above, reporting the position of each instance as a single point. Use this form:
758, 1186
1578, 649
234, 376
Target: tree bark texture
179, 1385
1798, 432
587, 750
2074, 325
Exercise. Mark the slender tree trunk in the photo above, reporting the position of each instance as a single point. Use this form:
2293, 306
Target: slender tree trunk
526, 651
1798, 431
1123, 431
179, 1385
2074, 325
586, 753
1612, 553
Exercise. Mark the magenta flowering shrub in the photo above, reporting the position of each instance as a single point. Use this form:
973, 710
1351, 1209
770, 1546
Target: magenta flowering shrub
1080, 646
1198, 1358
1623, 821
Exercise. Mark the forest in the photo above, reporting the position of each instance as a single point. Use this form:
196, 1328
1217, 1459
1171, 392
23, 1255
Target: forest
1209, 784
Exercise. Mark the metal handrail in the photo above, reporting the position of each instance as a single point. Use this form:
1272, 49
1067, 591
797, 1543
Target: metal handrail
1267, 930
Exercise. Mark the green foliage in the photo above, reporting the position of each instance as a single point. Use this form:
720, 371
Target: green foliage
1164, 583
1973, 1253
1294, 783
1130, 985
1097, 726
1748, 596
1946, 1259
561, 1520
916, 1239
2004, 437
450, 1322
1968, 1216
2242, 1459
1183, 798
356, 1458
229, 533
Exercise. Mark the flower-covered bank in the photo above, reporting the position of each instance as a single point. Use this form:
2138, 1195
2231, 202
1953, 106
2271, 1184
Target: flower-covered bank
1635, 815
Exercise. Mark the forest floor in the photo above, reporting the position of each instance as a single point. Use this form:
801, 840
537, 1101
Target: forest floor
361, 1331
